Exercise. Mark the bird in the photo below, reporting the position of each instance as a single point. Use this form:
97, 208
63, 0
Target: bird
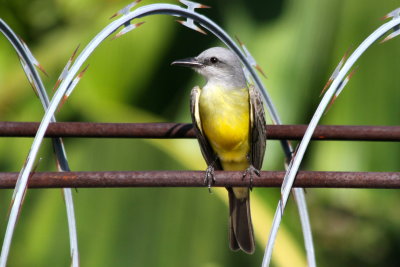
229, 123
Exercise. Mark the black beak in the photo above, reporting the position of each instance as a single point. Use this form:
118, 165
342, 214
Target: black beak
191, 62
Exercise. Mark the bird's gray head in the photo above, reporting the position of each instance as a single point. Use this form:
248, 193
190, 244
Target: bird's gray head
218, 65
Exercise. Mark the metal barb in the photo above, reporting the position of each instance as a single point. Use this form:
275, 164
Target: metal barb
65, 71
391, 36
250, 58
190, 24
71, 87
393, 14
64, 99
396, 30
191, 6
330, 104
336, 71
29, 75
32, 58
345, 81
129, 27
75, 82
126, 9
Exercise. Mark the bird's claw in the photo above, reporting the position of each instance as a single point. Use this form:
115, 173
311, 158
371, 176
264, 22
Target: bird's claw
209, 178
251, 170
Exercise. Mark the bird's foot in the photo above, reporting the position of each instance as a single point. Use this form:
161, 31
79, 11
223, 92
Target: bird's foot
251, 170
209, 178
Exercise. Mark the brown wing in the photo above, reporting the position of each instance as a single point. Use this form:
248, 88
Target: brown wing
258, 128
208, 153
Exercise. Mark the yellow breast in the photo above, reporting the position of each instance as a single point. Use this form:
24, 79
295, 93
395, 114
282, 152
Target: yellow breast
225, 121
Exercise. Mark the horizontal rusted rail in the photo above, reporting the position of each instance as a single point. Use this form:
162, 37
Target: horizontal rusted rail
308, 179
185, 130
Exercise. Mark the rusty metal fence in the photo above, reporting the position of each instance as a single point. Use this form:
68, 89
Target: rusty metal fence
196, 178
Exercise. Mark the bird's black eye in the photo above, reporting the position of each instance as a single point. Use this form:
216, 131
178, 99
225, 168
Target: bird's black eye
213, 60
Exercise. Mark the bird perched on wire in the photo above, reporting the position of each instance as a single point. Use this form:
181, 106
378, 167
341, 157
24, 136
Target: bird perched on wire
229, 121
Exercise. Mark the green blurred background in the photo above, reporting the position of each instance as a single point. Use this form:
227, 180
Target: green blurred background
297, 43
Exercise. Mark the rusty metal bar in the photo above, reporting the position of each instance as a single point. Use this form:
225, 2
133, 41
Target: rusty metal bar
309, 179
184, 130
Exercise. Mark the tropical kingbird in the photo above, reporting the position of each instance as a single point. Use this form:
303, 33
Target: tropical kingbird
229, 121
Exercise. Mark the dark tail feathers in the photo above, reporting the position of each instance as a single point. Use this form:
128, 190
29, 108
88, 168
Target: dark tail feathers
241, 234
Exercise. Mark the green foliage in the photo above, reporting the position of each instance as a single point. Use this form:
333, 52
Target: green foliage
298, 44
